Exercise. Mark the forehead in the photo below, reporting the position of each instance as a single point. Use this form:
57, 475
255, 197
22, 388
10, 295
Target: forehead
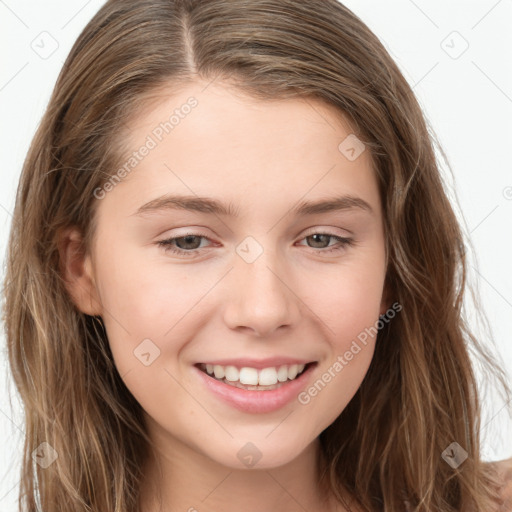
221, 115
214, 140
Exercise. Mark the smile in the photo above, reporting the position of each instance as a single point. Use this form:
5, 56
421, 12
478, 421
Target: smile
255, 390
252, 378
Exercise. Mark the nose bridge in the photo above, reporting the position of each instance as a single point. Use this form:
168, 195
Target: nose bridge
260, 298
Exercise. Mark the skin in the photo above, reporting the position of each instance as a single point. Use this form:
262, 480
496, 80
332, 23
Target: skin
294, 299
504, 468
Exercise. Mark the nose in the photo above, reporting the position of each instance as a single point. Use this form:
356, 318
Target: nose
260, 298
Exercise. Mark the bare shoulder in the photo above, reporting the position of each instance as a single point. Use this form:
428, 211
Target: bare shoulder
504, 468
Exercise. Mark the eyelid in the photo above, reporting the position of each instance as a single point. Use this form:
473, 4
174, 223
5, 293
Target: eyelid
342, 244
326, 230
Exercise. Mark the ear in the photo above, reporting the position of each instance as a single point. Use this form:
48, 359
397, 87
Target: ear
77, 272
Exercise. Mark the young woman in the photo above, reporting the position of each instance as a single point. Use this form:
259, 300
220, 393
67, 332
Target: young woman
234, 278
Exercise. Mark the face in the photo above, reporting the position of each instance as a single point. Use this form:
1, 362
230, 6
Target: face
244, 242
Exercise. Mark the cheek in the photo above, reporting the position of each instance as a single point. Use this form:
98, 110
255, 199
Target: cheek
147, 318
335, 386
347, 302
138, 305
349, 307
144, 293
351, 335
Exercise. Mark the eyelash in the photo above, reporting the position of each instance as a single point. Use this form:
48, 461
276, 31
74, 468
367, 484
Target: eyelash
168, 247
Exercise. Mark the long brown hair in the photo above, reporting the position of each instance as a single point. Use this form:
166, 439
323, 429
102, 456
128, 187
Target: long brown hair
420, 393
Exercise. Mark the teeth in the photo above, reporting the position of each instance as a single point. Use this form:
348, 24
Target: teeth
249, 376
252, 376
292, 371
231, 373
282, 374
268, 377
217, 370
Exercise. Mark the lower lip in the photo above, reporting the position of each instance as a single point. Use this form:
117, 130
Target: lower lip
255, 401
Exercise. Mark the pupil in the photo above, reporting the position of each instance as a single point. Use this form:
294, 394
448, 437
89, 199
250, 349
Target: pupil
188, 241
317, 236
317, 239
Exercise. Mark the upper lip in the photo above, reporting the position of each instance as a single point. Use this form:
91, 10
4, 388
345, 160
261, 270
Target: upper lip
259, 363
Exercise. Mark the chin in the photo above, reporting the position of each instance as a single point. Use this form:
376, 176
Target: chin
260, 453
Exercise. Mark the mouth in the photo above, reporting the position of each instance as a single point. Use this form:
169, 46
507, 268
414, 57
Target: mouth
257, 389
254, 379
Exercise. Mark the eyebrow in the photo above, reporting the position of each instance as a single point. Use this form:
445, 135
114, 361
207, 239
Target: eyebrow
213, 206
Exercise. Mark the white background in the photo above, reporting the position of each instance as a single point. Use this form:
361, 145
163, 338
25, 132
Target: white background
467, 98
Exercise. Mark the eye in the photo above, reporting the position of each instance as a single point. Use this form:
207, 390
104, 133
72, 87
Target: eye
319, 240
190, 244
